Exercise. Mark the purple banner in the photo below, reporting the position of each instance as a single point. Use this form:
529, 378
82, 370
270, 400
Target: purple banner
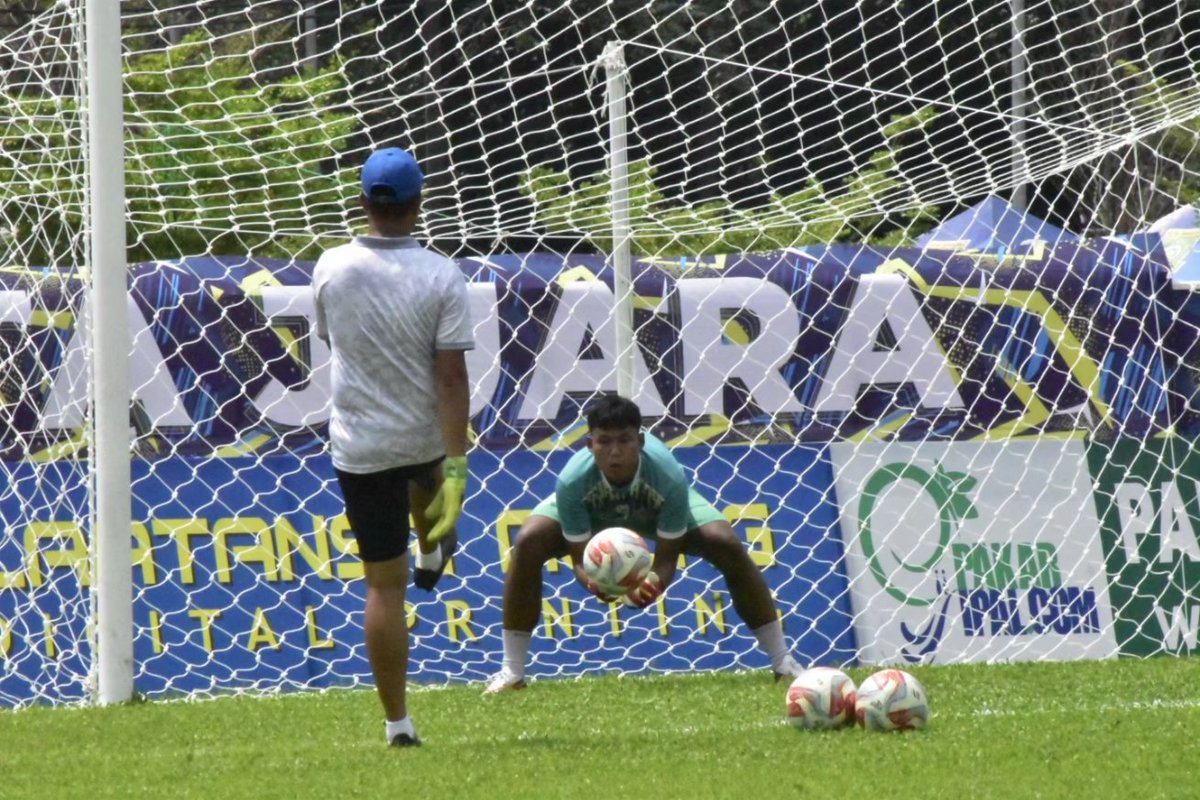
813, 344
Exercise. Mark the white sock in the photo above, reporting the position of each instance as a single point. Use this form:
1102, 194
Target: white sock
394, 729
516, 651
429, 560
770, 639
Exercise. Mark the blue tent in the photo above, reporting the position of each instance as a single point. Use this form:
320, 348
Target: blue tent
1174, 241
993, 224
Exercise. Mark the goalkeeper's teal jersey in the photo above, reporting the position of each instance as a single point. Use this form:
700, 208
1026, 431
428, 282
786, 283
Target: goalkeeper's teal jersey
655, 503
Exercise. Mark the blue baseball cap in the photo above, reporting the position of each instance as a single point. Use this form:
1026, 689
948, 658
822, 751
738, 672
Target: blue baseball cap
391, 175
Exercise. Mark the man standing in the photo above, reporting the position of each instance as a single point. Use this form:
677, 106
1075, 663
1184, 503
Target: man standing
396, 318
629, 479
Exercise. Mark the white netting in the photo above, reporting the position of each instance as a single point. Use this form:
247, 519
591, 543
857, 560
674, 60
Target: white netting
44, 503
910, 293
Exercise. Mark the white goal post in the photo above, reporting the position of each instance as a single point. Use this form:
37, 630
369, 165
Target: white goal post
908, 287
111, 520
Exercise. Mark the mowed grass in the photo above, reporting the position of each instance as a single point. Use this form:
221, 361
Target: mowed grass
1118, 729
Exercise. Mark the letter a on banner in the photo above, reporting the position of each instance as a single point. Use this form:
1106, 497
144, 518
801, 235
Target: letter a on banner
886, 302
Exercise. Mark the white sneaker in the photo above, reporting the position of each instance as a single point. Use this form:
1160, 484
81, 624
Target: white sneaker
504, 681
788, 669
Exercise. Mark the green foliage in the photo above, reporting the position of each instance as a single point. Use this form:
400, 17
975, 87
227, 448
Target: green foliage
220, 158
41, 188
1176, 147
1096, 729
855, 211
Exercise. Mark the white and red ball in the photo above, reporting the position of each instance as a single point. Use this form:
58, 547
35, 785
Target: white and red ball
891, 700
821, 698
616, 560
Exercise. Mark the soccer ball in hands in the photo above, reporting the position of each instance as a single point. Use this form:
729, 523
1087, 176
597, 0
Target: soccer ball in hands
891, 700
821, 698
616, 560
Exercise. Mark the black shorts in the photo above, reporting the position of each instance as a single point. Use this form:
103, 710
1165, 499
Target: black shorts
377, 506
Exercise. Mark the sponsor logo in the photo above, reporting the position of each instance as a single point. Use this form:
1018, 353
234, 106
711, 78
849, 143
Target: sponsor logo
948, 491
1179, 625
976, 588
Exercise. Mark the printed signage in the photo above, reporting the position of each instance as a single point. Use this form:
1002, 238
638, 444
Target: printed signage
972, 552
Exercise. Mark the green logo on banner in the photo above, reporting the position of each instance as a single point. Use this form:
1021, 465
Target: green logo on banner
948, 490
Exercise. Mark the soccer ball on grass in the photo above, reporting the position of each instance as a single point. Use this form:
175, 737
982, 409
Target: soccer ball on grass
616, 560
821, 698
891, 700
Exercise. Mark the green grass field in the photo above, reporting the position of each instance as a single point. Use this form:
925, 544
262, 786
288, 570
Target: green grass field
1118, 729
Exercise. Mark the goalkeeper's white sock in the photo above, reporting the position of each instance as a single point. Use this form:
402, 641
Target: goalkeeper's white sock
770, 639
516, 651
400, 726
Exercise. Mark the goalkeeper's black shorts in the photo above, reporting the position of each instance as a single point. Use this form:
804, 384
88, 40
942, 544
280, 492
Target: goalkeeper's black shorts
377, 505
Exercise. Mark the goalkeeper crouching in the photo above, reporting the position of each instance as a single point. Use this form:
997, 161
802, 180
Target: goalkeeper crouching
627, 478
397, 322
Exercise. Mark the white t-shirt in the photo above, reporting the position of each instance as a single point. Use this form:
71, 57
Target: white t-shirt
385, 305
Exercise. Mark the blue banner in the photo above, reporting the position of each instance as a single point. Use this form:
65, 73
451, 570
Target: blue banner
245, 575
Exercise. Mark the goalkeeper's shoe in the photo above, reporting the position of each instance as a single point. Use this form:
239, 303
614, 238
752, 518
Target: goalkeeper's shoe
404, 740
788, 669
427, 578
504, 681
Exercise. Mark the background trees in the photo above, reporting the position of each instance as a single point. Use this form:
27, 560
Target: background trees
774, 122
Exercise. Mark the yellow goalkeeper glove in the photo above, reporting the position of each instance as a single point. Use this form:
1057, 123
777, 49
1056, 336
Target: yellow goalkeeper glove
447, 503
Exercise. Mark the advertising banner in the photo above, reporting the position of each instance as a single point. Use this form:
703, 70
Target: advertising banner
970, 535
245, 575
972, 552
1148, 500
812, 344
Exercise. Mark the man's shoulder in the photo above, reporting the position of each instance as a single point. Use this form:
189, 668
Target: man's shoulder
339, 250
663, 464
334, 257
657, 449
441, 269
448, 267
379, 250
578, 469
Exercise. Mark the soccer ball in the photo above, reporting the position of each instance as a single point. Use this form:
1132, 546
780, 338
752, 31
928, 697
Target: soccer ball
821, 698
616, 560
891, 700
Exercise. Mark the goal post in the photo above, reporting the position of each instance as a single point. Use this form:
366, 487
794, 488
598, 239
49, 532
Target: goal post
613, 61
947, 423
109, 328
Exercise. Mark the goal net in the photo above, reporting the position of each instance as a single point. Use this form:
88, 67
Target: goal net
910, 289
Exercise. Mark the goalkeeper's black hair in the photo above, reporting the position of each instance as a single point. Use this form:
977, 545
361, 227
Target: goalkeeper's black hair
613, 411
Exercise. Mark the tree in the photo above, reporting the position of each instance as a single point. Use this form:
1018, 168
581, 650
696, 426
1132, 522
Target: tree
218, 160
1113, 67
854, 211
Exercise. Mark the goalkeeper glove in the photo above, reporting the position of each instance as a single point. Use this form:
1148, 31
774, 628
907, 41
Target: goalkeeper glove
447, 503
647, 591
591, 586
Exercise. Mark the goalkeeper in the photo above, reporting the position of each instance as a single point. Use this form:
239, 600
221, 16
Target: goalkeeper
629, 479
396, 318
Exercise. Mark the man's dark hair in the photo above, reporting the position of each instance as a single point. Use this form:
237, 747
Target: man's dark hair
385, 205
612, 411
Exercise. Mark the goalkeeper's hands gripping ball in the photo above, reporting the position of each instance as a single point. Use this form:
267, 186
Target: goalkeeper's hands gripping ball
447, 503
591, 586
646, 592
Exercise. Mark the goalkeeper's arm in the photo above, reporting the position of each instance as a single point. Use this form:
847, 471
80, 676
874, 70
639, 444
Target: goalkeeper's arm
453, 399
